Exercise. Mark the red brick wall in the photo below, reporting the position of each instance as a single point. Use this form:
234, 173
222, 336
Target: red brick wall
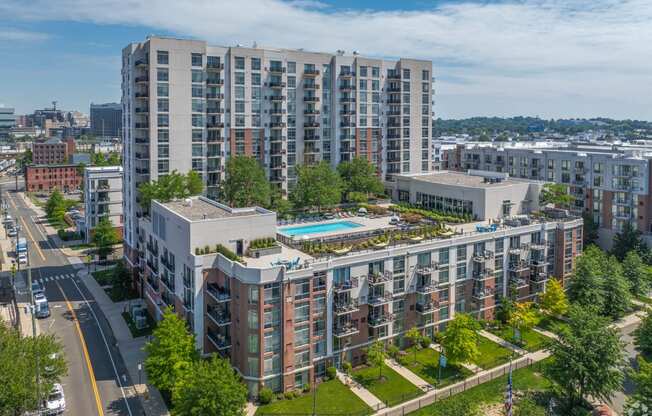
48, 178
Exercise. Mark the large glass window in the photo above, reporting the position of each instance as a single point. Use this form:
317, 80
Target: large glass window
301, 336
162, 57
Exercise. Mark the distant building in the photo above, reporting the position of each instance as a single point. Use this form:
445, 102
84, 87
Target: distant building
78, 158
31, 132
53, 151
50, 177
102, 197
106, 119
7, 121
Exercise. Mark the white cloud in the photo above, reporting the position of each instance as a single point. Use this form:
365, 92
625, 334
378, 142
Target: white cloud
543, 55
17, 35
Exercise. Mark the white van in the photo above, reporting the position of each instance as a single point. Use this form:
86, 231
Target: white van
41, 307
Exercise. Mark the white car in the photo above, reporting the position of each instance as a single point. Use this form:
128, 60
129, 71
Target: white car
12, 232
22, 258
56, 402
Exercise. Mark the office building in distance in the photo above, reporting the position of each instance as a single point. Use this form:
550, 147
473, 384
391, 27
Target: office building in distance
106, 120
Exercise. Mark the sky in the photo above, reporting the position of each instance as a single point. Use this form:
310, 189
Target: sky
546, 58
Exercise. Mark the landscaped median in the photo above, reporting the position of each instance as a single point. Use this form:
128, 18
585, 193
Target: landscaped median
332, 397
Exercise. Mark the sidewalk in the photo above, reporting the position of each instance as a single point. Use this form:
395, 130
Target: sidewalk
130, 348
408, 375
357, 389
502, 342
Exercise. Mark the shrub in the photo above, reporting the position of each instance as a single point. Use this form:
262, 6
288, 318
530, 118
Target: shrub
280, 396
306, 388
331, 373
393, 351
289, 395
425, 342
265, 395
347, 367
197, 251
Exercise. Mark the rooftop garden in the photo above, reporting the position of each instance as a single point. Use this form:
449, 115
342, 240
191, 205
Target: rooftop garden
218, 248
379, 241
409, 210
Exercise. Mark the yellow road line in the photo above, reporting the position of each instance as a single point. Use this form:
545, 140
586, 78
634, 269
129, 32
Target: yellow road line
96, 392
35, 245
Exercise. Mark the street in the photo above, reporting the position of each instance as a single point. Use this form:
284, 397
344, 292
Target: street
97, 378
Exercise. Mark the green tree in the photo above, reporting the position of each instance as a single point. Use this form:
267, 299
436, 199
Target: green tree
505, 309
460, 339
617, 298
414, 336
18, 359
317, 186
26, 158
635, 272
553, 301
556, 194
54, 201
376, 356
114, 159
587, 360
524, 317
170, 352
104, 237
643, 335
360, 176
245, 184
171, 186
590, 232
121, 282
279, 204
585, 287
629, 239
210, 387
640, 403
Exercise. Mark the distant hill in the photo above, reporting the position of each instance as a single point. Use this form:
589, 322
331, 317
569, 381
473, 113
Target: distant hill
523, 125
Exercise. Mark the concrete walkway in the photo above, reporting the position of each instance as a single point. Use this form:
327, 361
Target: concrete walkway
502, 342
408, 375
357, 389
130, 348
546, 333
250, 409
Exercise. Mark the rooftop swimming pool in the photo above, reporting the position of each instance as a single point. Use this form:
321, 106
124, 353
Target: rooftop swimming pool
319, 228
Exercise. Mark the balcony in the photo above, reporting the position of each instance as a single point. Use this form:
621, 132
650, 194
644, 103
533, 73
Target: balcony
277, 69
347, 306
426, 307
142, 171
347, 124
141, 126
537, 263
395, 89
152, 267
214, 110
394, 75
210, 81
426, 288
219, 317
345, 286
277, 111
347, 113
537, 246
276, 98
152, 281
152, 248
168, 281
276, 85
216, 66
380, 320
311, 112
426, 269
519, 266
142, 79
215, 125
482, 294
539, 277
217, 293
143, 110
345, 330
213, 96
484, 274
278, 125
347, 87
379, 278
311, 125
350, 99
518, 283
483, 257
142, 95
141, 63
221, 342
310, 99
310, 86
311, 72
394, 100
347, 74
380, 299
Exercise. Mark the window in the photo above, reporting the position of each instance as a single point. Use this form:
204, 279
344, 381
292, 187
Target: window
163, 105
272, 365
239, 62
198, 120
253, 364
461, 271
375, 72
301, 312
163, 167
301, 336
406, 74
292, 67
239, 78
443, 256
255, 79
302, 289
197, 91
196, 59
253, 343
272, 341
272, 318
253, 294
302, 359
425, 75
163, 120
162, 74
197, 75
163, 150
162, 90
163, 135
197, 105
461, 253
162, 57
197, 150
255, 64
363, 71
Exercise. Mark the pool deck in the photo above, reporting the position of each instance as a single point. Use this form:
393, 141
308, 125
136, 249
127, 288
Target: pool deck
366, 224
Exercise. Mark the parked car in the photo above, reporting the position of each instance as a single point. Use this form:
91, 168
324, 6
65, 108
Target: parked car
22, 258
41, 306
12, 232
37, 288
56, 402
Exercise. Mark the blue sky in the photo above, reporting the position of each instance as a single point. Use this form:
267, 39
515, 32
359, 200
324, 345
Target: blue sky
551, 58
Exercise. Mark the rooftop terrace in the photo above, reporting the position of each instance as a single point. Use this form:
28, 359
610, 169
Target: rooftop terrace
200, 208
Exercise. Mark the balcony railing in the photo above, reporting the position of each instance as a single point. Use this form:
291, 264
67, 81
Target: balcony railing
219, 317
221, 342
214, 81
519, 266
539, 277
426, 307
311, 72
518, 283
345, 330
380, 299
217, 293
482, 294
483, 274
379, 278
345, 285
311, 99
344, 307
426, 288
425, 269
380, 320
483, 256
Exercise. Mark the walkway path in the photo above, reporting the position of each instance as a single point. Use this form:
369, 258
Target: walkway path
408, 375
357, 389
502, 342
546, 333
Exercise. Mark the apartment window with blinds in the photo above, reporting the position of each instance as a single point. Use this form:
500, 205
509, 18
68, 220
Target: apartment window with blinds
272, 318
301, 336
162, 57
163, 135
162, 74
253, 343
255, 64
301, 313
239, 62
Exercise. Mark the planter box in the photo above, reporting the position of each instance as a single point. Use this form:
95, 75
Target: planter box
265, 251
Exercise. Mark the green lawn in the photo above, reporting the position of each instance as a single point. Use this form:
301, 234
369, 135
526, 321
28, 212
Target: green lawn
332, 397
491, 392
103, 277
391, 389
530, 340
552, 324
427, 367
491, 354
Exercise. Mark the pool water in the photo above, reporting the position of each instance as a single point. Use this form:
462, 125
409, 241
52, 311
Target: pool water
319, 228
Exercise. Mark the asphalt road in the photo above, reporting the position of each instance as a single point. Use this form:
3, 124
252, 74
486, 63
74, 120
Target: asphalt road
97, 378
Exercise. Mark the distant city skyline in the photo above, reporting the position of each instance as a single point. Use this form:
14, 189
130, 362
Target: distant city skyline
543, 58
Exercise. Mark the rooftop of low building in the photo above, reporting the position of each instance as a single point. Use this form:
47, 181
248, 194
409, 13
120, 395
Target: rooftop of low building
471, 179
199, 208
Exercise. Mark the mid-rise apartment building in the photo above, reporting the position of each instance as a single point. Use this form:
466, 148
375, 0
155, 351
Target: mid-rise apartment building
283, 313
53, 151
189, 105
609, 182
102, 198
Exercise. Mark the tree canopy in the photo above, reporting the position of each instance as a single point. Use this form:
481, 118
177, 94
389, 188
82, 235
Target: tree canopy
643, 335
636, 274
359, 176
524, 317
460, 339
170, 353
317, 186
376, 356
640, 403
629, 239
585, 287
414, 336
104, 237
553, 301
587, 360
18, 358
209, 387
245, 184
168, 187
